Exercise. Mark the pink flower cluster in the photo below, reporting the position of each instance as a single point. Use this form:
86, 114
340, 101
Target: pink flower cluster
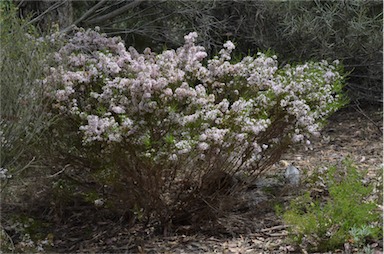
208, 106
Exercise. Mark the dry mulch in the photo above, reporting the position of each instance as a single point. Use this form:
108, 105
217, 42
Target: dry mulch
351, 132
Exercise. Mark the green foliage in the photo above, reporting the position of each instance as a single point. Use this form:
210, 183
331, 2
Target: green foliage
359, 235
23, 121
347, 214
22, 58
350, 31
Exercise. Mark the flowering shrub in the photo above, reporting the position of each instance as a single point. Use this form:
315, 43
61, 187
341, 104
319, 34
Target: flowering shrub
177, 116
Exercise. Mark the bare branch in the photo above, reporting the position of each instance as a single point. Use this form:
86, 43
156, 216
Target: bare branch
115, 13
59, 172
53, 7
358, 109
86, 15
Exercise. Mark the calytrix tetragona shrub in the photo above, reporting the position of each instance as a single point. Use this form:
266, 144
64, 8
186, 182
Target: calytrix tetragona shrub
178, 116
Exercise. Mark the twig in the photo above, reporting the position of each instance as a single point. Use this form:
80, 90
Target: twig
61, 171
358, 109
274, 228
52, 7
86, 15
277, 234
113, 13
12, 248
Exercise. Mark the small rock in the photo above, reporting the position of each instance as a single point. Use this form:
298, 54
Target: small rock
292, 175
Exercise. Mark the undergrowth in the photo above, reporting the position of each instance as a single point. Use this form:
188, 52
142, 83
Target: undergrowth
347, 213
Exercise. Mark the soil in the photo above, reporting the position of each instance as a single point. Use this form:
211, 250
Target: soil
251, 228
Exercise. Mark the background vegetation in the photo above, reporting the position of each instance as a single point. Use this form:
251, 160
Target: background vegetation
296, 31
23, 102
350, 31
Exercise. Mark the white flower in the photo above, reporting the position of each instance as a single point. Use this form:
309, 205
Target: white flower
200, 56
223, 105
168, 92
183, 146
190, 38
127, 123
203, 146
99, 202
61, 95
240, 137
173, 157
3, 173
229, 45
329, 75
297, 138
114, 137
118, 110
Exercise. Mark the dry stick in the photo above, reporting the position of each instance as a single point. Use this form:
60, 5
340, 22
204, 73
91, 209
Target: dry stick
131, 17
57, 5
86, 15
114, 13
61, 171
369, 119
277, 234
274, 228
12, 248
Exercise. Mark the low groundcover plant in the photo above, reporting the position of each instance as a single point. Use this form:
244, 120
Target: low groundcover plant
163, 123
347, 214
